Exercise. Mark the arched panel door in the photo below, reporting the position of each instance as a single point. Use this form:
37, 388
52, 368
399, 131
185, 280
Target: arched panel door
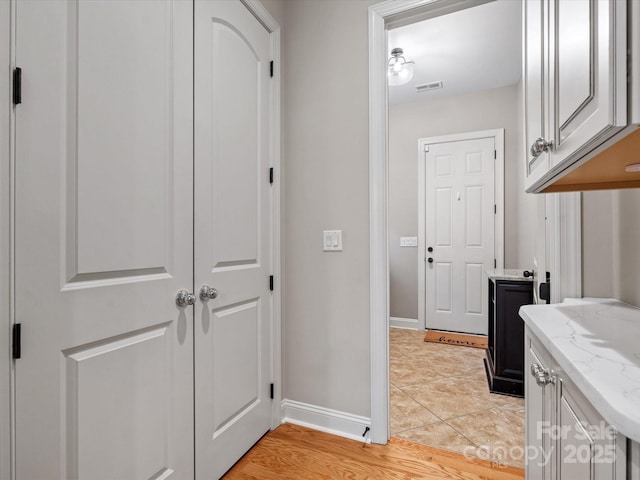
233, 246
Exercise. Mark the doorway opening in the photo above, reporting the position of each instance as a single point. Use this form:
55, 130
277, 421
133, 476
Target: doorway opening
438, 393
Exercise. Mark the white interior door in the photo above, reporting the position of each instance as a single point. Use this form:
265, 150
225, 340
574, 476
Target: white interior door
103, 231
460, 224
233, 233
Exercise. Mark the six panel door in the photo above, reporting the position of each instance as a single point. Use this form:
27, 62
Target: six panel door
104, 184
460, 229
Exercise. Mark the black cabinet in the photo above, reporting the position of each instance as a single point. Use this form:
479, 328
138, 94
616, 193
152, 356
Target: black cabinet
504, 363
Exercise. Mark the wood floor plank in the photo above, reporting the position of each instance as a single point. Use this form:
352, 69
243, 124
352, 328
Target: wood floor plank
298, 453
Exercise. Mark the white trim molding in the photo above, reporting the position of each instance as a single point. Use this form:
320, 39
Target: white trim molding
498, 198
565, 244
7, 317
270, 24
326, 420
404, 323
385, 15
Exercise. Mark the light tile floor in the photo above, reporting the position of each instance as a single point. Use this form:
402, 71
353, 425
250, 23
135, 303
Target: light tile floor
440, 398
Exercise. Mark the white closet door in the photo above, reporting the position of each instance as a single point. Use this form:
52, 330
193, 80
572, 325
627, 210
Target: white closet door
232, 233
103, 237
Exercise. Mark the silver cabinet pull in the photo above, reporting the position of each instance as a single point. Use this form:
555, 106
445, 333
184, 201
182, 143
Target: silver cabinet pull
539, 146
184, 298
542, 375
208, 293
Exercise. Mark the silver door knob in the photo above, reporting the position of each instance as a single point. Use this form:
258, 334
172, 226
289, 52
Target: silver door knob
542, 375
184, 298
208, 293
539, 146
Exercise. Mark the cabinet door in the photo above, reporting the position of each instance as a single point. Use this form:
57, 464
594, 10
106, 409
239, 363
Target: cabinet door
587, 72
587, 447
534, 88
539, 401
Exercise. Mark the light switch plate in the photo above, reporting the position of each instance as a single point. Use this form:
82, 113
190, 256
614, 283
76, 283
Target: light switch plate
332, 240
408, 241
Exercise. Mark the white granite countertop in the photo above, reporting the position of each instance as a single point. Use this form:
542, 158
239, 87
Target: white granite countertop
508, 274
597, 344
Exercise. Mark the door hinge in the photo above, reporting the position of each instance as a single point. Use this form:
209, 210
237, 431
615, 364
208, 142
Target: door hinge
271, 391
495, 263
16, 341
271, 175
271, 69
17, 86
495, 209
271, 282
426, 148
495, 154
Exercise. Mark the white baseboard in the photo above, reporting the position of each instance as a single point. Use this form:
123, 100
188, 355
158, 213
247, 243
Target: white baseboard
408, 323
325, 420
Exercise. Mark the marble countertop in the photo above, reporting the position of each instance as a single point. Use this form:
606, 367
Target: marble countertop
596, 342
508, 274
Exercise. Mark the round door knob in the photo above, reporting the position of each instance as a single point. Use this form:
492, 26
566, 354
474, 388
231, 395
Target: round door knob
539, 146
208, 293
527, 273
184, 298
430, 249
430, 260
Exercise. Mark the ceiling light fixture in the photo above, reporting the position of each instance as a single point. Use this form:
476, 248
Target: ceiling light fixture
400, 68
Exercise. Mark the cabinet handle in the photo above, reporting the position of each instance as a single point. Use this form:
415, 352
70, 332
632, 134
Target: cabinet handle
539, 146
542, 375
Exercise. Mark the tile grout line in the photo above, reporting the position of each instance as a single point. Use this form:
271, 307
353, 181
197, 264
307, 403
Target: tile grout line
408, 349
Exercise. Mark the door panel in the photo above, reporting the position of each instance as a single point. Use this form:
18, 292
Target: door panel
233, 233
120, 159
104, 187
575, 52
535, 91
474, 276
236, 330
102, 377
235, 151
460, 228
587, 71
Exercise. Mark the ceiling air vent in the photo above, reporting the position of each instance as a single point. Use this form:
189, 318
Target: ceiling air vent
428, 86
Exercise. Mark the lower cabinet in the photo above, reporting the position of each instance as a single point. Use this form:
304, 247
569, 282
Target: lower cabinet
505, 357
566, 437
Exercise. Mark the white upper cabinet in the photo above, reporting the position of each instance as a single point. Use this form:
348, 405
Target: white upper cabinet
575, 74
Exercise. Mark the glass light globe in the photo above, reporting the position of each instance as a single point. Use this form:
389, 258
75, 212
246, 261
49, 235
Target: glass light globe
400, 71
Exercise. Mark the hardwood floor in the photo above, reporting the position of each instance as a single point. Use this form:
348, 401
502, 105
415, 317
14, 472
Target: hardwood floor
298, 453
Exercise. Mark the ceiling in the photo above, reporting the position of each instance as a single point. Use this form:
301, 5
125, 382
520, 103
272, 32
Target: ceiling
474, 49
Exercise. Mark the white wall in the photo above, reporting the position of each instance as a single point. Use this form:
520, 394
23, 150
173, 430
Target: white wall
489, 109
611, 236
326, 304
626, 246
597, 244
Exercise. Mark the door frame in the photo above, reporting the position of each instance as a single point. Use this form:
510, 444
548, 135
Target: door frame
7, 212
265, 18
7, 12
383, 16
498, 198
